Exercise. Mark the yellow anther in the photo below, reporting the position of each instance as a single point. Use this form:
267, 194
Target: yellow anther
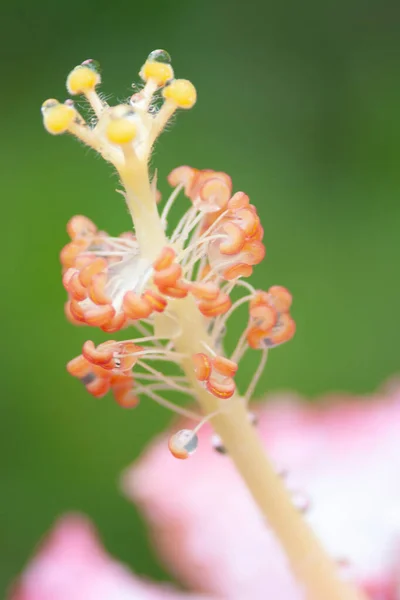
182, 92
57, 118
121, 131
82, 79
159, 72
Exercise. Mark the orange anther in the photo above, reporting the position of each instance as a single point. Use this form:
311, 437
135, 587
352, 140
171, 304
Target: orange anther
182, 175
206, 175
136, 307
253, 252
248, 220
99, 315
235, 239
265, 316
204, 291
76, 311
168, 276
221, 389
281, 298
67, 276
238, 270
238, 200
124, 395
178, 291
79, 226
71, 318
102, 355
95, 266
212, 195
258, 234
76, 289
114, 324
79, 367
97, 287
202, 366
122, 389
224, 366
157, 302
165, 259
126, 356
255, 338
218, 307
82, 260
260, 298
98, 387
69, 253
283, 331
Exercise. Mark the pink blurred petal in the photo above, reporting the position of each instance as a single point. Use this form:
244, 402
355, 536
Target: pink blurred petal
344, 454
71, 565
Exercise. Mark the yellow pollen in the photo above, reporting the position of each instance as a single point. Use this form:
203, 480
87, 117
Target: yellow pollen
58, 118
157, 71
121, 131
82, 79
182, 92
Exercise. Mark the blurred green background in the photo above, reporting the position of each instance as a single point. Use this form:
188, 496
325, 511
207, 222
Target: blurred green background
299, 102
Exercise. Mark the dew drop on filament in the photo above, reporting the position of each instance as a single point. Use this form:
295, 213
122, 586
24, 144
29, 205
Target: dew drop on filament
161, 56
183, 443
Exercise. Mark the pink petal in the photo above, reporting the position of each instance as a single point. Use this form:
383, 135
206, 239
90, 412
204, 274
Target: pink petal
72, 565
344, 453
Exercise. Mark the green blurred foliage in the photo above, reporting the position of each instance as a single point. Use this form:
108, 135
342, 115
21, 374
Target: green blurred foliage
299, 102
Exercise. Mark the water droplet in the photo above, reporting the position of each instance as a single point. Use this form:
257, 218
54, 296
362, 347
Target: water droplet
159, 56
137, 99
301, 501
183, 443
48, 104
92, 64
217, 444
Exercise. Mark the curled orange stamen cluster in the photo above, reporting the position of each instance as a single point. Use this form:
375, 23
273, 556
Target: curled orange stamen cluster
98, 380
99, 286
168, 275
240, 233
270, 323
212, 301
208, 190
241, 247
216, 374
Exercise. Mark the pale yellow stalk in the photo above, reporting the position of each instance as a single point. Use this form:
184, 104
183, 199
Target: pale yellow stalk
315, 571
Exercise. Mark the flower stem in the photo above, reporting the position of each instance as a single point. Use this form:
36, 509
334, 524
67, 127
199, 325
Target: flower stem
315, 571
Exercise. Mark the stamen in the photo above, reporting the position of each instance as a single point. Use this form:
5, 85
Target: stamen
188, 217
241, 348
190, 225
199, 242
167, 404
165, 378
221, 321
252, 386
155, 378
169, 204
